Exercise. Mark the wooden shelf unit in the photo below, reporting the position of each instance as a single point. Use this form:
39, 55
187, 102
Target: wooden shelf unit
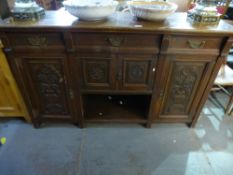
116, 108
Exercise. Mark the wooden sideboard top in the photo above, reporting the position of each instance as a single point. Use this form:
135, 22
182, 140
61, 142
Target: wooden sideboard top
120, 22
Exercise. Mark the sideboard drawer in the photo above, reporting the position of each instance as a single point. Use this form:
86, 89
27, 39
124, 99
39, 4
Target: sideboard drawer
192, 44
27, 41
119, 41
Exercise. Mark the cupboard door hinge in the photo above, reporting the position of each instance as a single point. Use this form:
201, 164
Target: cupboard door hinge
119, 76
18, 64
1, 44
34, 113
62, 79
161, 94
71, 93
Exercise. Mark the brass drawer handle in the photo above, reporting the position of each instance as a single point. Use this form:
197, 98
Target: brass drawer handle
195, 44
116, 41
37, 41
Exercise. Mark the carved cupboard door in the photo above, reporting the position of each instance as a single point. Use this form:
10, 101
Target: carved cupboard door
47, 85
136, 72
97, 71
182, 83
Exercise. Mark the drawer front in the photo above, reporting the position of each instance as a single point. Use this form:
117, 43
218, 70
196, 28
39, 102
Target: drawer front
36, 41
194, 44
121, 42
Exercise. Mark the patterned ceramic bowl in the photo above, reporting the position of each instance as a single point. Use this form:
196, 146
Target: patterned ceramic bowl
151, 10
90, 10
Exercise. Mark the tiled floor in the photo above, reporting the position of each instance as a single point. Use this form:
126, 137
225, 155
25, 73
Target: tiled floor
103, 149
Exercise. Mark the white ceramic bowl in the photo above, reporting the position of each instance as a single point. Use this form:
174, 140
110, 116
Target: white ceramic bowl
90, 10
151, 10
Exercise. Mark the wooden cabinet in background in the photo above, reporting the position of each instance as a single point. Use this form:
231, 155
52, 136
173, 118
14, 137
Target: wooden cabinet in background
119, 70
60, 82
11, 103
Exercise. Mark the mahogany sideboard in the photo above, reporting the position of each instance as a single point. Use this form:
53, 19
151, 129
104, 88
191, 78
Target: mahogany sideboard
117, 70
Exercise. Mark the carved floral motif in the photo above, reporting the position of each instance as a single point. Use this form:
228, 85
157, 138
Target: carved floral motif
97, 71
49, 81
136, 72
184, 78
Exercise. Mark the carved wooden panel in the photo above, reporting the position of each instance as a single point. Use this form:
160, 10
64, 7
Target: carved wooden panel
49, 78
138, 72
184, 80
97, 72
48, 85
